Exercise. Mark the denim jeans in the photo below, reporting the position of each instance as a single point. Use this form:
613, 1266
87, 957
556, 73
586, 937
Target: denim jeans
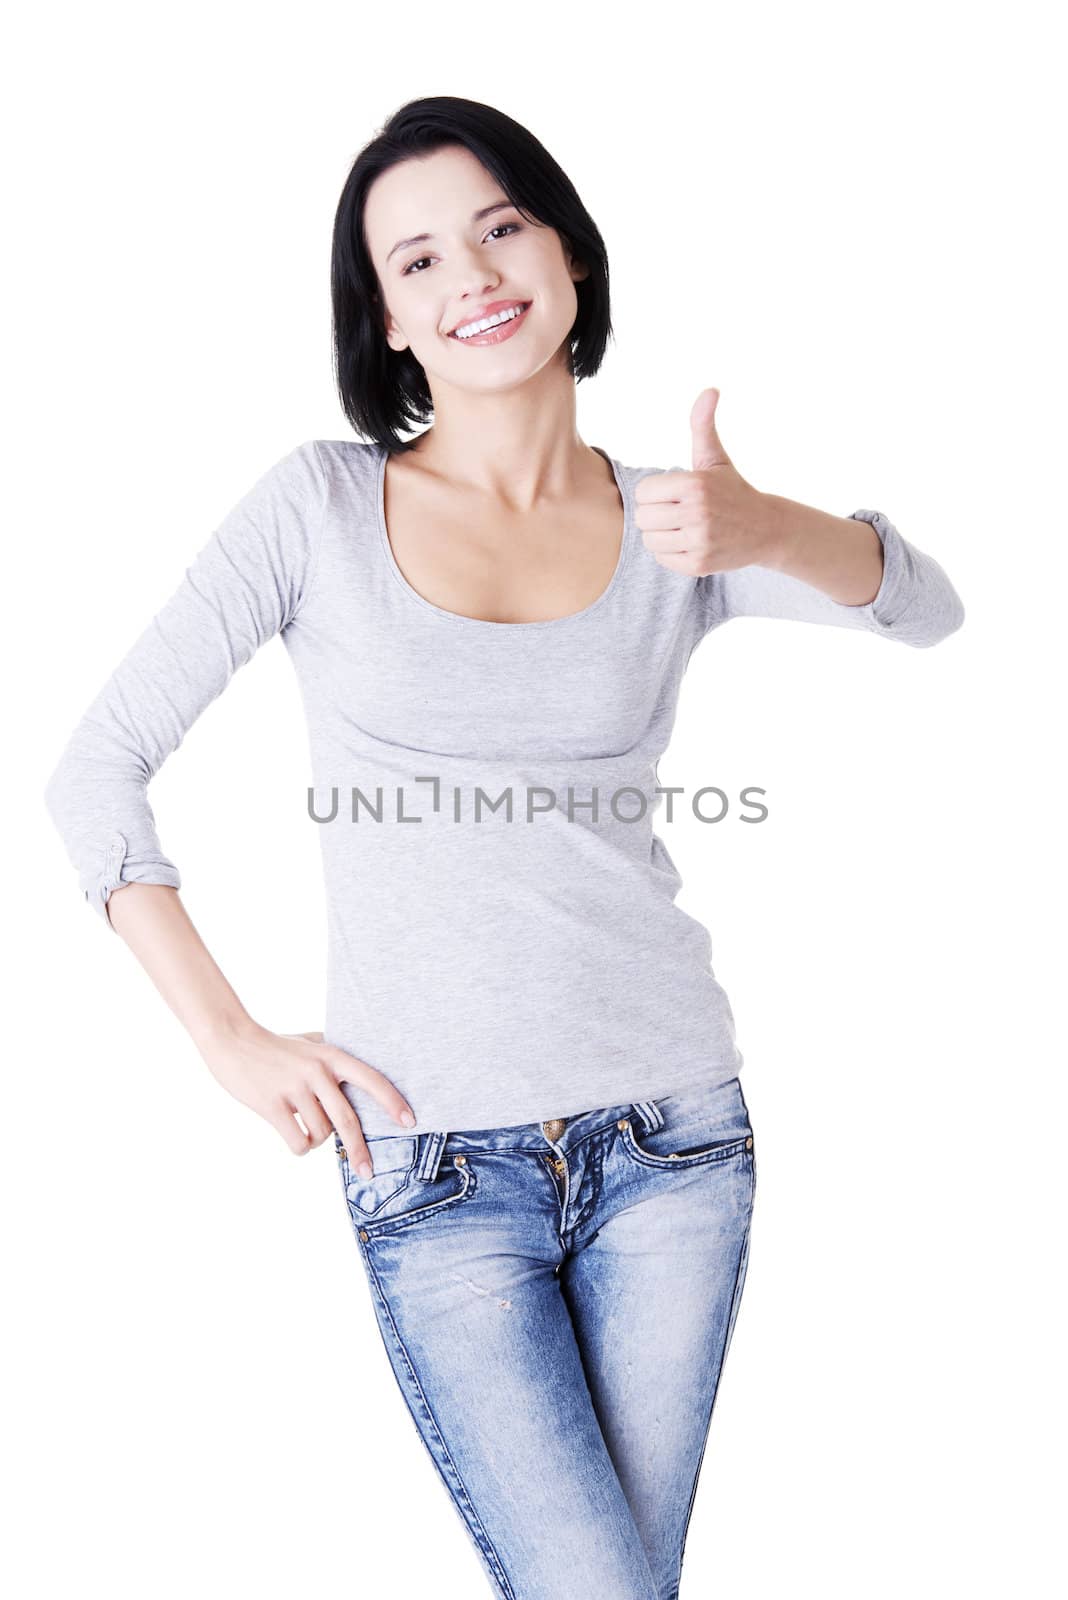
557, 1300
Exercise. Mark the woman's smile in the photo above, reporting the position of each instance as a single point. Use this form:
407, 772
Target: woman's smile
503, 330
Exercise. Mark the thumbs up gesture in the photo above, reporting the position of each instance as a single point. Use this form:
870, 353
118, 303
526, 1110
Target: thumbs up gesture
709, 519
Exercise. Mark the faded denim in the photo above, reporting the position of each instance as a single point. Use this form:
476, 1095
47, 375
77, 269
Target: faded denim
557, 1300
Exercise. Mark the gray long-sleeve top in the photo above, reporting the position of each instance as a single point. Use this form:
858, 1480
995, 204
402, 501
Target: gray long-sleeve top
503, 938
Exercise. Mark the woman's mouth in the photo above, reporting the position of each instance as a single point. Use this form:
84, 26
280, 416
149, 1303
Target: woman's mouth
500, 330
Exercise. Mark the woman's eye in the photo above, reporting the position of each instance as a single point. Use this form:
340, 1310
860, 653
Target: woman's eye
514, 226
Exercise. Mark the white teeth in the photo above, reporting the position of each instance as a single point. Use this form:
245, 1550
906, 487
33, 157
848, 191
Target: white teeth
470, 328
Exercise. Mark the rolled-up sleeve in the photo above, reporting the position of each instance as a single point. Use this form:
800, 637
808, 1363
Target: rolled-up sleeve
246, 584
915, 603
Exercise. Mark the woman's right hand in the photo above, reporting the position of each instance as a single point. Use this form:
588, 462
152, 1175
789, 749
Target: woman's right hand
278, 1074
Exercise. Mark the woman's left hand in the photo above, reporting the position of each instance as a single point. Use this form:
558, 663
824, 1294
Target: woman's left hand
709, 519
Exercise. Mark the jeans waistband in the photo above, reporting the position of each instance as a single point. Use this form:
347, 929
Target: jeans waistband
560, 1134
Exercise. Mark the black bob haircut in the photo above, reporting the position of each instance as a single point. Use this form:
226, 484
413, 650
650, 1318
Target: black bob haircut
383, 390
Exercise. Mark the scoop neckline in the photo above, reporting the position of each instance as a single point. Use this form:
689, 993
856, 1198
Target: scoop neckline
458, 617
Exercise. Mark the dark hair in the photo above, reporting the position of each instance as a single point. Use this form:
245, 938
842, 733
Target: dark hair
383, 390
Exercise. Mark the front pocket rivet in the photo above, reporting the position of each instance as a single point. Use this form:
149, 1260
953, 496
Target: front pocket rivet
459, 1160
673, 1156
622, 1123
363, 1234
749, 1144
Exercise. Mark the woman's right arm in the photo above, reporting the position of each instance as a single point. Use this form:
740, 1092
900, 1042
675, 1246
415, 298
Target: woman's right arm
274, 1074
249, 582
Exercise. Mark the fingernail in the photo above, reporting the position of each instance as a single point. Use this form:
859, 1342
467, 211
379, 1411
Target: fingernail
365, 1169
407, 1119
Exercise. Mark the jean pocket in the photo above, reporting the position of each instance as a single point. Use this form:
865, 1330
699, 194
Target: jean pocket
392, 1161
700, 1127
394, 1195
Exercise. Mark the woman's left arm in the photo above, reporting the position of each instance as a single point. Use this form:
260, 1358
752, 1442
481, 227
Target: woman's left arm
816, 563
761, 555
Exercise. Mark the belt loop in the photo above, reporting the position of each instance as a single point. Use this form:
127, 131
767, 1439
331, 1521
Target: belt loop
650, 1113
429, 1158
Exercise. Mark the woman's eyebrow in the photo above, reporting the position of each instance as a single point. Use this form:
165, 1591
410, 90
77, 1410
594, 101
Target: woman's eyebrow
477, 216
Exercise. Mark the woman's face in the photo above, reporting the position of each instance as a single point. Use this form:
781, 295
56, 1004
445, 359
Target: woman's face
433, 285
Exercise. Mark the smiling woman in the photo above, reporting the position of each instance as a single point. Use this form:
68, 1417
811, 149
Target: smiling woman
527, 1061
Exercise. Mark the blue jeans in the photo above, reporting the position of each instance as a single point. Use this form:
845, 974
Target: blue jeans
557, 1300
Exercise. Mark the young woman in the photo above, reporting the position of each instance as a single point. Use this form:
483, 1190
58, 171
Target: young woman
528, 1067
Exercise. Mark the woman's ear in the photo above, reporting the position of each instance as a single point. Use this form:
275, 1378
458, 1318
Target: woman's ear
577, 268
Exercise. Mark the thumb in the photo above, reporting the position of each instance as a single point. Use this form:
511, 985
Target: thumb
707, 450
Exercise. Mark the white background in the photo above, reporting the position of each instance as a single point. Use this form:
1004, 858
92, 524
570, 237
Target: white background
845, 217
